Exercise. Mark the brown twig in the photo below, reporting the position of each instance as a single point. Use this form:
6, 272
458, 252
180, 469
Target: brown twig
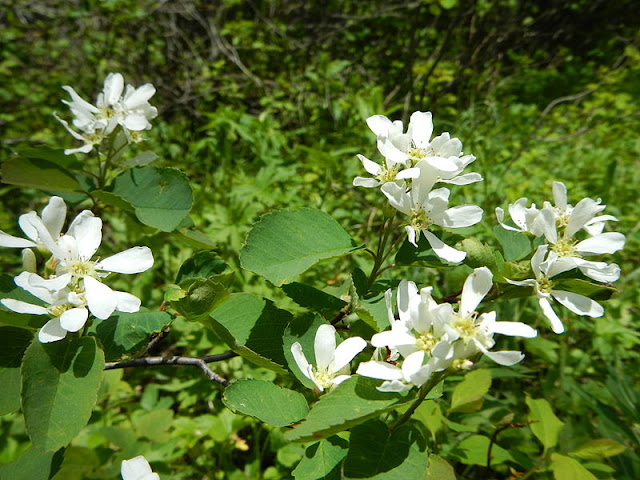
201, 363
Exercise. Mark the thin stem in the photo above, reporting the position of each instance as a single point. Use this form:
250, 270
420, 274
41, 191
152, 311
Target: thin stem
422, 394
201, 363
387, 228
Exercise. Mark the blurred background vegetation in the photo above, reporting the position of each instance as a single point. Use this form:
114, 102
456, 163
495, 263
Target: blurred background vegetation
263, 105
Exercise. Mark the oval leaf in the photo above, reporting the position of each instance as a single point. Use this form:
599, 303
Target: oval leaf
266, 401
285, 243
161, 197
59, 389
544, 424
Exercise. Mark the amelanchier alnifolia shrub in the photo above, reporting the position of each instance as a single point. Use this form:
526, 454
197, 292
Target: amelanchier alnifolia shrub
427, 340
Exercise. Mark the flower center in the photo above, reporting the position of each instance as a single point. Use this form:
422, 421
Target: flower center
419, 219
385, 176
81, 269
57, 310
426, 342
545, 285
466, 325
322, 377
416, 154
566, 247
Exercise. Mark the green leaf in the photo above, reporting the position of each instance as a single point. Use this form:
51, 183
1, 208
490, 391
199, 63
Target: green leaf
204, 265
194, 238
566, 468
479, 255
32, 465
124, 333
161, 197
353, 402
266, 401
10, 379
467, 396
596, 291
59, 390
374, 452
598, 449
473, 450
544, 424
39, 174
374, 312
439, 469
283, 244
252, 327
313, 299
515, 245
201, 297
13, 343
322, 460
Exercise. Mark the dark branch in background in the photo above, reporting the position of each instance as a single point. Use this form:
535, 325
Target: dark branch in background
201, 363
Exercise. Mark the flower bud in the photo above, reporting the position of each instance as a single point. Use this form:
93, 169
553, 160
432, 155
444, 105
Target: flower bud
29, 263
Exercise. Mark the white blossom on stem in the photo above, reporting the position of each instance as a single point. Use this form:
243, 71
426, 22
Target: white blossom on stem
543, 285
51, 219
431, 209
332, 363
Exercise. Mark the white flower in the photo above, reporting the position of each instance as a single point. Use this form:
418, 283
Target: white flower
74, 252
137, 468
52, 220
431, 209
331, 362
527, 219
95, 122
543, 285
387, 172
440, 159
473, 332
65, 306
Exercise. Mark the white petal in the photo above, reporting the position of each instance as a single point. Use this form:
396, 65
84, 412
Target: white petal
582, 214
381, 370
609, 242
339, 379
101, 300
74, 319
443, 164
30, 223
88, 235
79, 101
301, 360
19, 306
500, 218
560, 195
135, 469
133, 260
127, 303
390, 151
86, 148
365, 182
420, 128
394, 386
397, 197
345, 352
475, 288
135, 122
412, 364
514, 329
407, 292
466, 179
14, 242
412, 235
461, 216
379, 125
113, 86
444, 251
505, 357
53, 215
371, 167
324, 346
140, 96
53, 284
556, 323
408, 173
393, 338
578, 303
51, 331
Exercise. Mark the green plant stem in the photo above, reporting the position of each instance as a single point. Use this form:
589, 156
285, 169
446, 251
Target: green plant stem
386, 230
422, 394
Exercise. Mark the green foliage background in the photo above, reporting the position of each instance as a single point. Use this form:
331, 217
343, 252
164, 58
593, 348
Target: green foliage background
262, 105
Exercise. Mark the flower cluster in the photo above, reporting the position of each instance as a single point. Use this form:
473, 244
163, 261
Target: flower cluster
71, 287
571, 233
413, 164
429, 337
115, 106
